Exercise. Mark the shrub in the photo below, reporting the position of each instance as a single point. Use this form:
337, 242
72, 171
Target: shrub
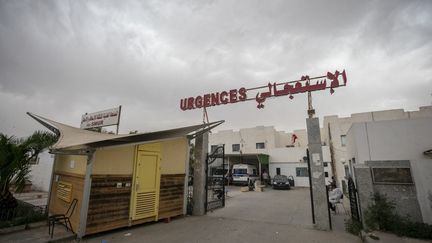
353, 227
381, 215
23, 215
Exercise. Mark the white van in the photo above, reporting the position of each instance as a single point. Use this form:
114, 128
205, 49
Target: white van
241, 173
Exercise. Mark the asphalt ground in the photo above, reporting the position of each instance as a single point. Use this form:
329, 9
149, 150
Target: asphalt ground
252, 217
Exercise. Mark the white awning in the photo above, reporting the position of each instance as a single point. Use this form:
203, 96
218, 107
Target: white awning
71, 138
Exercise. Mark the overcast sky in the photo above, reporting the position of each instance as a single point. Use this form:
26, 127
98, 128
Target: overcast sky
60, 59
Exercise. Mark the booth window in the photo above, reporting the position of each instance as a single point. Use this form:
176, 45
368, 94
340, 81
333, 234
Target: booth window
64, 191
260, 146
236, 147
302, 172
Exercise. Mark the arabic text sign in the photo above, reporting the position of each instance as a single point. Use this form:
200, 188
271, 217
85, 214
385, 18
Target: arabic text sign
101, 118
305, 84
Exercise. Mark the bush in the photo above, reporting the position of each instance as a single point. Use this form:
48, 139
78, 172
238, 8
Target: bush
353, 227
23, 215
381, 215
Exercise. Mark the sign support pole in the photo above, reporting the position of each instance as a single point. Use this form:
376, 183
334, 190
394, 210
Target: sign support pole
199, 184
319, 189
118, 122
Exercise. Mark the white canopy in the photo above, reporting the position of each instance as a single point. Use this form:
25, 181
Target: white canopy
71, 138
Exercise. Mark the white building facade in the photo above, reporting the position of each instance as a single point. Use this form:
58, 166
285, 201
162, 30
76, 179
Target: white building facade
282, 154
40, 174
335, 131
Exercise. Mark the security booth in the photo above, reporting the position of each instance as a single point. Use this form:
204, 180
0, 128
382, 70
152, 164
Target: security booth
119, 180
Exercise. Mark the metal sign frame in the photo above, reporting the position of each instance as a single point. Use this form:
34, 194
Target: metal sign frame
98, 119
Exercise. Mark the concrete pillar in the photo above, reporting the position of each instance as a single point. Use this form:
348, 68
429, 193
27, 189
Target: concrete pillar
320, 199
199, 192
86, 195
364, 186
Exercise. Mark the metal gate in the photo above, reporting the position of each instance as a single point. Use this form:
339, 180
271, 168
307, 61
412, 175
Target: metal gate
216, 171
352, 193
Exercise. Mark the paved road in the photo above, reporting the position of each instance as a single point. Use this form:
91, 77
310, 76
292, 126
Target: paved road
211, 229
273, 206
252, 217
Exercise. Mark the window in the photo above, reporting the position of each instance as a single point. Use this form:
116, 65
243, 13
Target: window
343, 140
236, 147
392, 176
254, 171
325, 164
302, 172
260, 145
240, 172
326, 174
346, 170
277, 171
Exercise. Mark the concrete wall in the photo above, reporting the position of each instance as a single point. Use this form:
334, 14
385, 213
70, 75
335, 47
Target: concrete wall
404, 196
422, 173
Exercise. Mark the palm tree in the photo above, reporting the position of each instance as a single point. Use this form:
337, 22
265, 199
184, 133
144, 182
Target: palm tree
15, 157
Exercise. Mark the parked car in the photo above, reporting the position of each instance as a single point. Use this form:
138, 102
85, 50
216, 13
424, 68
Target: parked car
281, 182
243, 173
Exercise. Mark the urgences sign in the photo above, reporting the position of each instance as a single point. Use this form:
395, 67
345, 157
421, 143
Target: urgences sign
274, 89
219, 98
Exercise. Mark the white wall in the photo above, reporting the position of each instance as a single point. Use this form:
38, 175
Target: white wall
289, 169
249, 137
393, 140
422, 173
288, 159
40, 174
335, 126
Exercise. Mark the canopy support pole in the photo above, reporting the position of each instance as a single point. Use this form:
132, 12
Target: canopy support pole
86, 196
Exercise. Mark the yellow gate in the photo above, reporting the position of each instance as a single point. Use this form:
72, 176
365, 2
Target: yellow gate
146, 182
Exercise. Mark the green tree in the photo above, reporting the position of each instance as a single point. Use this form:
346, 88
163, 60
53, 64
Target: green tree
15, 157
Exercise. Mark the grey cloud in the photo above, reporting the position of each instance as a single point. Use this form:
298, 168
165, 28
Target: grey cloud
64, 58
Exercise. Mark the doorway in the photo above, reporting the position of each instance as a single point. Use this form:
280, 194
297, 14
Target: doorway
146, 182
